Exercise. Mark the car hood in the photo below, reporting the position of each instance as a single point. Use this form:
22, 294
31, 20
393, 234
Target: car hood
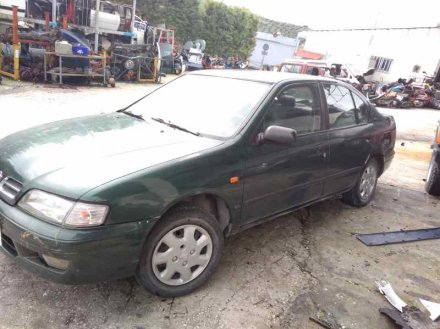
71, 157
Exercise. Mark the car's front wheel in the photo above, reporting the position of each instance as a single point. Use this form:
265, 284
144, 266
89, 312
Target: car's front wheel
362, 193
181, 253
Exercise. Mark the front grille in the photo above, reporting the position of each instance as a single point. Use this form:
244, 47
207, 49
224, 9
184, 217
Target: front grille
9, 189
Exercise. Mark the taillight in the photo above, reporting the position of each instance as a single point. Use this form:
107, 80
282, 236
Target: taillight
437, 136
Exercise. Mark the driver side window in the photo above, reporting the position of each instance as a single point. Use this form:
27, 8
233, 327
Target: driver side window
297, 107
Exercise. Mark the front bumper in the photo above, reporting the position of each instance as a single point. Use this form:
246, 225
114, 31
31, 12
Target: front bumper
93, 254
195, 66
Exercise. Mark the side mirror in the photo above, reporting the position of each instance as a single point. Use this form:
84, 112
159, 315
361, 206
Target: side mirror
277, 135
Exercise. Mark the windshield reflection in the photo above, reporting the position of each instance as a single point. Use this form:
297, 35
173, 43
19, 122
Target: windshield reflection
211, 106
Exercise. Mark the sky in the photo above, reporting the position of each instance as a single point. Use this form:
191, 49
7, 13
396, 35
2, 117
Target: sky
343, 14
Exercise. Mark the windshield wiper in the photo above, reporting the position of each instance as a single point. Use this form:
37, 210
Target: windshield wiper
137, 116
172, 125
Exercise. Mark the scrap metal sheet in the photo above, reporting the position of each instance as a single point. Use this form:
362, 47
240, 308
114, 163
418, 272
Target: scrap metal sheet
378, 239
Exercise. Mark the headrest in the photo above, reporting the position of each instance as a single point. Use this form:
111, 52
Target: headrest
287, 100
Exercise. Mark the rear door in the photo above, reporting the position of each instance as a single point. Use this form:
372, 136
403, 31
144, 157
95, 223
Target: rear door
349, 137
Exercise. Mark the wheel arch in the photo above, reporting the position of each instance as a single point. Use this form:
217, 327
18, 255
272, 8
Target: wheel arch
380, 161
210, 202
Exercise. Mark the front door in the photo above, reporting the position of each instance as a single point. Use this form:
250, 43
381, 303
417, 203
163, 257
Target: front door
279, 177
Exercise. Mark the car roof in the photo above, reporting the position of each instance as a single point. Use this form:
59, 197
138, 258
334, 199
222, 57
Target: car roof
261, 76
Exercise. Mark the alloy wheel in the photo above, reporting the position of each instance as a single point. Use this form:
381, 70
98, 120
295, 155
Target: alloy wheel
368, 182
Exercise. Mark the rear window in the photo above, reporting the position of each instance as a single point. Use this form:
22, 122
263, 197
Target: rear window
291, 68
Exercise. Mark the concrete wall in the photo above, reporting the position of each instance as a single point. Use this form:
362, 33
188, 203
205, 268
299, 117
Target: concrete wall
407, 47
280, 48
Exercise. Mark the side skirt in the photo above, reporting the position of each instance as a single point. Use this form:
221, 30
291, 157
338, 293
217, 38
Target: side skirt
234, 230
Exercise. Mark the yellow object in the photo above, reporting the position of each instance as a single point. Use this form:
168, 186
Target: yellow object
154, 78
16, 49
16, 74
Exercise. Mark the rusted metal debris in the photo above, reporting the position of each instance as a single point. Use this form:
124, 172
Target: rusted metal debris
389, 293
408, 317
384, 238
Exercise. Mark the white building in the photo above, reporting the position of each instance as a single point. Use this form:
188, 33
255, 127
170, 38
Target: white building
394, 52
278, 49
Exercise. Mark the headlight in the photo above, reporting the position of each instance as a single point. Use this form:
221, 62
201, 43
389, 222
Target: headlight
46, 206
62, 211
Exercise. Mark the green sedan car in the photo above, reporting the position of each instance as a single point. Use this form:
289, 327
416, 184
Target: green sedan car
152, 190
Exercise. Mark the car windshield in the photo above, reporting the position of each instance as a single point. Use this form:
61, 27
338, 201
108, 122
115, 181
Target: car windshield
207, 105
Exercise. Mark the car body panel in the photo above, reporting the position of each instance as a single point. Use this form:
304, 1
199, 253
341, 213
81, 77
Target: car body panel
148, 194
349, 151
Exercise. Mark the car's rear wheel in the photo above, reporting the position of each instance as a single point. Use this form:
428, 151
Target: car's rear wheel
181, 253
432, 184
363, 192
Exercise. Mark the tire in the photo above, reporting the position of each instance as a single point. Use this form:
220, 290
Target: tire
363, 192
432, 185
178, 69
419, 104
112, 82
174, 278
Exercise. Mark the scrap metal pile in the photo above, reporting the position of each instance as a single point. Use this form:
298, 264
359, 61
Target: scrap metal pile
129, 45
31, 52
133, 62
407, 93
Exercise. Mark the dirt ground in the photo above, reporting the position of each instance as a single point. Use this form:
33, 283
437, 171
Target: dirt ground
275, 275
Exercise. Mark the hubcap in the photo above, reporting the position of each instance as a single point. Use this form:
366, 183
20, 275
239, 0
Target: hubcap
182, 255
368, 181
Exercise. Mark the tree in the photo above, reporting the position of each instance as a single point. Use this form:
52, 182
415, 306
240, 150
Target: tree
227, 30
183, 14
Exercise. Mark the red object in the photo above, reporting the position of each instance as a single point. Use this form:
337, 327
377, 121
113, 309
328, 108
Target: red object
308, 54
302, 68
127, 24
15, 25
70, 12
47, 19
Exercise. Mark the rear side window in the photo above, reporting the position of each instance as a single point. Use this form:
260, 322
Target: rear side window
345, 108
362, 108
340, 106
